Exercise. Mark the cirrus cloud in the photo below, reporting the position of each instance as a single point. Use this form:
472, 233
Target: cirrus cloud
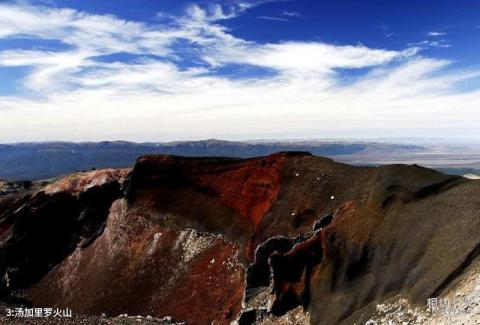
172, 85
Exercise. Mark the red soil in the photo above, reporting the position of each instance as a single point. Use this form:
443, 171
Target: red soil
250, 189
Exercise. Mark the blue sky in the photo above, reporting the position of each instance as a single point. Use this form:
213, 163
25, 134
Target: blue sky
149, 70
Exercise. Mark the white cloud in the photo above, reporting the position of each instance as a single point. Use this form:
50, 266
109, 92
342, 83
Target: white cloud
434, 34
295, 14
442, 43
308, 57
272, 18
214, 12
155, 97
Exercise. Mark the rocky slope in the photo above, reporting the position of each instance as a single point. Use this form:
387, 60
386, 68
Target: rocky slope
285, 239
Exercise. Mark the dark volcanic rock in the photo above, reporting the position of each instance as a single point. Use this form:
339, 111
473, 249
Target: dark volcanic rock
322, 223
41, 230
258, 273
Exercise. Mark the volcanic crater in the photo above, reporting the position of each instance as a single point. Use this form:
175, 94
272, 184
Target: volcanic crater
289, 238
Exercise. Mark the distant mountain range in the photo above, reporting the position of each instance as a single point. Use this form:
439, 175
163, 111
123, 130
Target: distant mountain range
35, 161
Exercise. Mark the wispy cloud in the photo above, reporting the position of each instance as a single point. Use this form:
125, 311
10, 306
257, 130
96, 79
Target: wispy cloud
156, 96
386, 30
294, 14
272, 18
217, 12
284, 16
308, 57
439, 43
434, 34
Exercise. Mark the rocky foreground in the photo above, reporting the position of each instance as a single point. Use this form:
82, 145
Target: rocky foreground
285, 239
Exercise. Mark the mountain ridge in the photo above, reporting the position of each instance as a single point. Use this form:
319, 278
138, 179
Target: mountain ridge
36, 161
